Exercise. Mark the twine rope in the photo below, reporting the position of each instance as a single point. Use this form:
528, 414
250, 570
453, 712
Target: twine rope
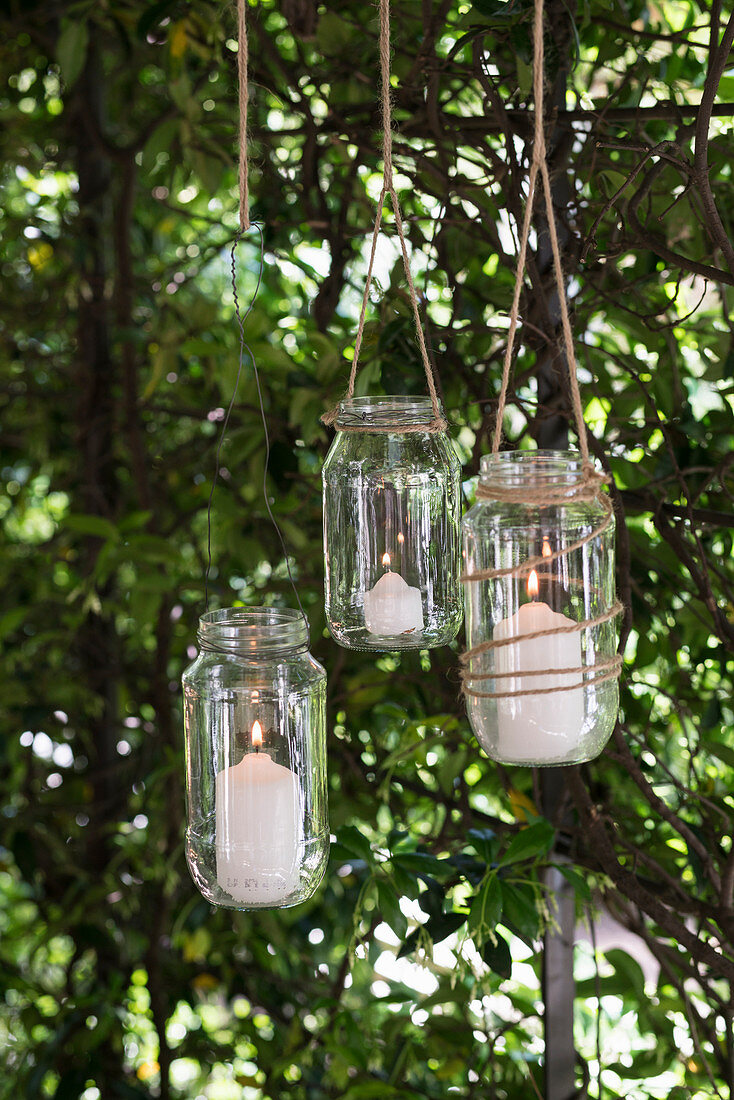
547, 558
608, 669
539, 164
438, 423
244, 100
588, 489
571, 628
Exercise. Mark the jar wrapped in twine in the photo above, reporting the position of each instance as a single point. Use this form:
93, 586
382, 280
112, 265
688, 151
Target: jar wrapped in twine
541, 669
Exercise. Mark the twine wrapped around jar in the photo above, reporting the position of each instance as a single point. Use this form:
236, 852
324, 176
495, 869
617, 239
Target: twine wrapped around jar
540, 672
590, 489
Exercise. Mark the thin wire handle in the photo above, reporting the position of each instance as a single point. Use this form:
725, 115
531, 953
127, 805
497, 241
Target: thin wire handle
245, 225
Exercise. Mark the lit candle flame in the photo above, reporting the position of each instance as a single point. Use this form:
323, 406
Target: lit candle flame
546, 551
533, 586
257, 734
386, 560
401, 538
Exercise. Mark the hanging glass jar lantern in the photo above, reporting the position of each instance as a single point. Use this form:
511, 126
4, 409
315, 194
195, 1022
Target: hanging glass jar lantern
541, 668
255, 729
392, 510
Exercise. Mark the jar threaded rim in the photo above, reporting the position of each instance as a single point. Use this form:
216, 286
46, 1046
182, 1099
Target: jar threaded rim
253, 631
385, 410
532, 468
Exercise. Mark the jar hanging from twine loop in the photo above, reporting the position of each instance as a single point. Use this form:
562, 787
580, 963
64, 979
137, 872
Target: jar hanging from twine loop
541, 671
255, 731
392, 511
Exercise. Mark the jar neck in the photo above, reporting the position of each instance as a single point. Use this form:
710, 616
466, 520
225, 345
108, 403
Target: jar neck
542, 479
393, 412
532, 470
254, 632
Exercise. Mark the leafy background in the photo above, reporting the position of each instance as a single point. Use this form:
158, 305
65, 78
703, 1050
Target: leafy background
415, 970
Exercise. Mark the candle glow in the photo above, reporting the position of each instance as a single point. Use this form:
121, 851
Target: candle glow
392, 606
258, 827
544, 727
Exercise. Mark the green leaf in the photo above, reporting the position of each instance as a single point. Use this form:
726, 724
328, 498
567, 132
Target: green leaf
497, 956
579, 883
486, 908
422, 863
333, 34
500, 11
725, 753
524, 75
445, 994
629, 968
209, 169
443, 925
485, 843
96, 526
354, 843
411, 943
519, 912
530, 843
390, 909
373, 1091
473, 870
11, 620
71, 49
164, 360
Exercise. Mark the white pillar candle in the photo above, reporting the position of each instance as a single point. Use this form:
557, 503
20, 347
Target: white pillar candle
538, 728
258, 829
392, 606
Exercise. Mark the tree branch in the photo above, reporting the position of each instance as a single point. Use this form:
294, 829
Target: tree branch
718, 59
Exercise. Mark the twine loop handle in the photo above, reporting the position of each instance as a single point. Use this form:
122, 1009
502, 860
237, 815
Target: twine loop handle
438, 423
539, 164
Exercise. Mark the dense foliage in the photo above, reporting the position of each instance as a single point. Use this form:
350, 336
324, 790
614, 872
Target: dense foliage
414, 972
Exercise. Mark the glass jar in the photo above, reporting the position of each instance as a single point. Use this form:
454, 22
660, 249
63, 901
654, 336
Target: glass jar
255, 730
392, 511
538, 551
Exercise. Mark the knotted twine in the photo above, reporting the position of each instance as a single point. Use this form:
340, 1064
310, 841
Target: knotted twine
590, 487
438, 422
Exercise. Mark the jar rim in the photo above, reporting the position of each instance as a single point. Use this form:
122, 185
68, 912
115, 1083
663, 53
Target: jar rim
532, 467
254, 631
404, 409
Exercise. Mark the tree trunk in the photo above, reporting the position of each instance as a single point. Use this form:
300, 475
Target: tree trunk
96, 649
